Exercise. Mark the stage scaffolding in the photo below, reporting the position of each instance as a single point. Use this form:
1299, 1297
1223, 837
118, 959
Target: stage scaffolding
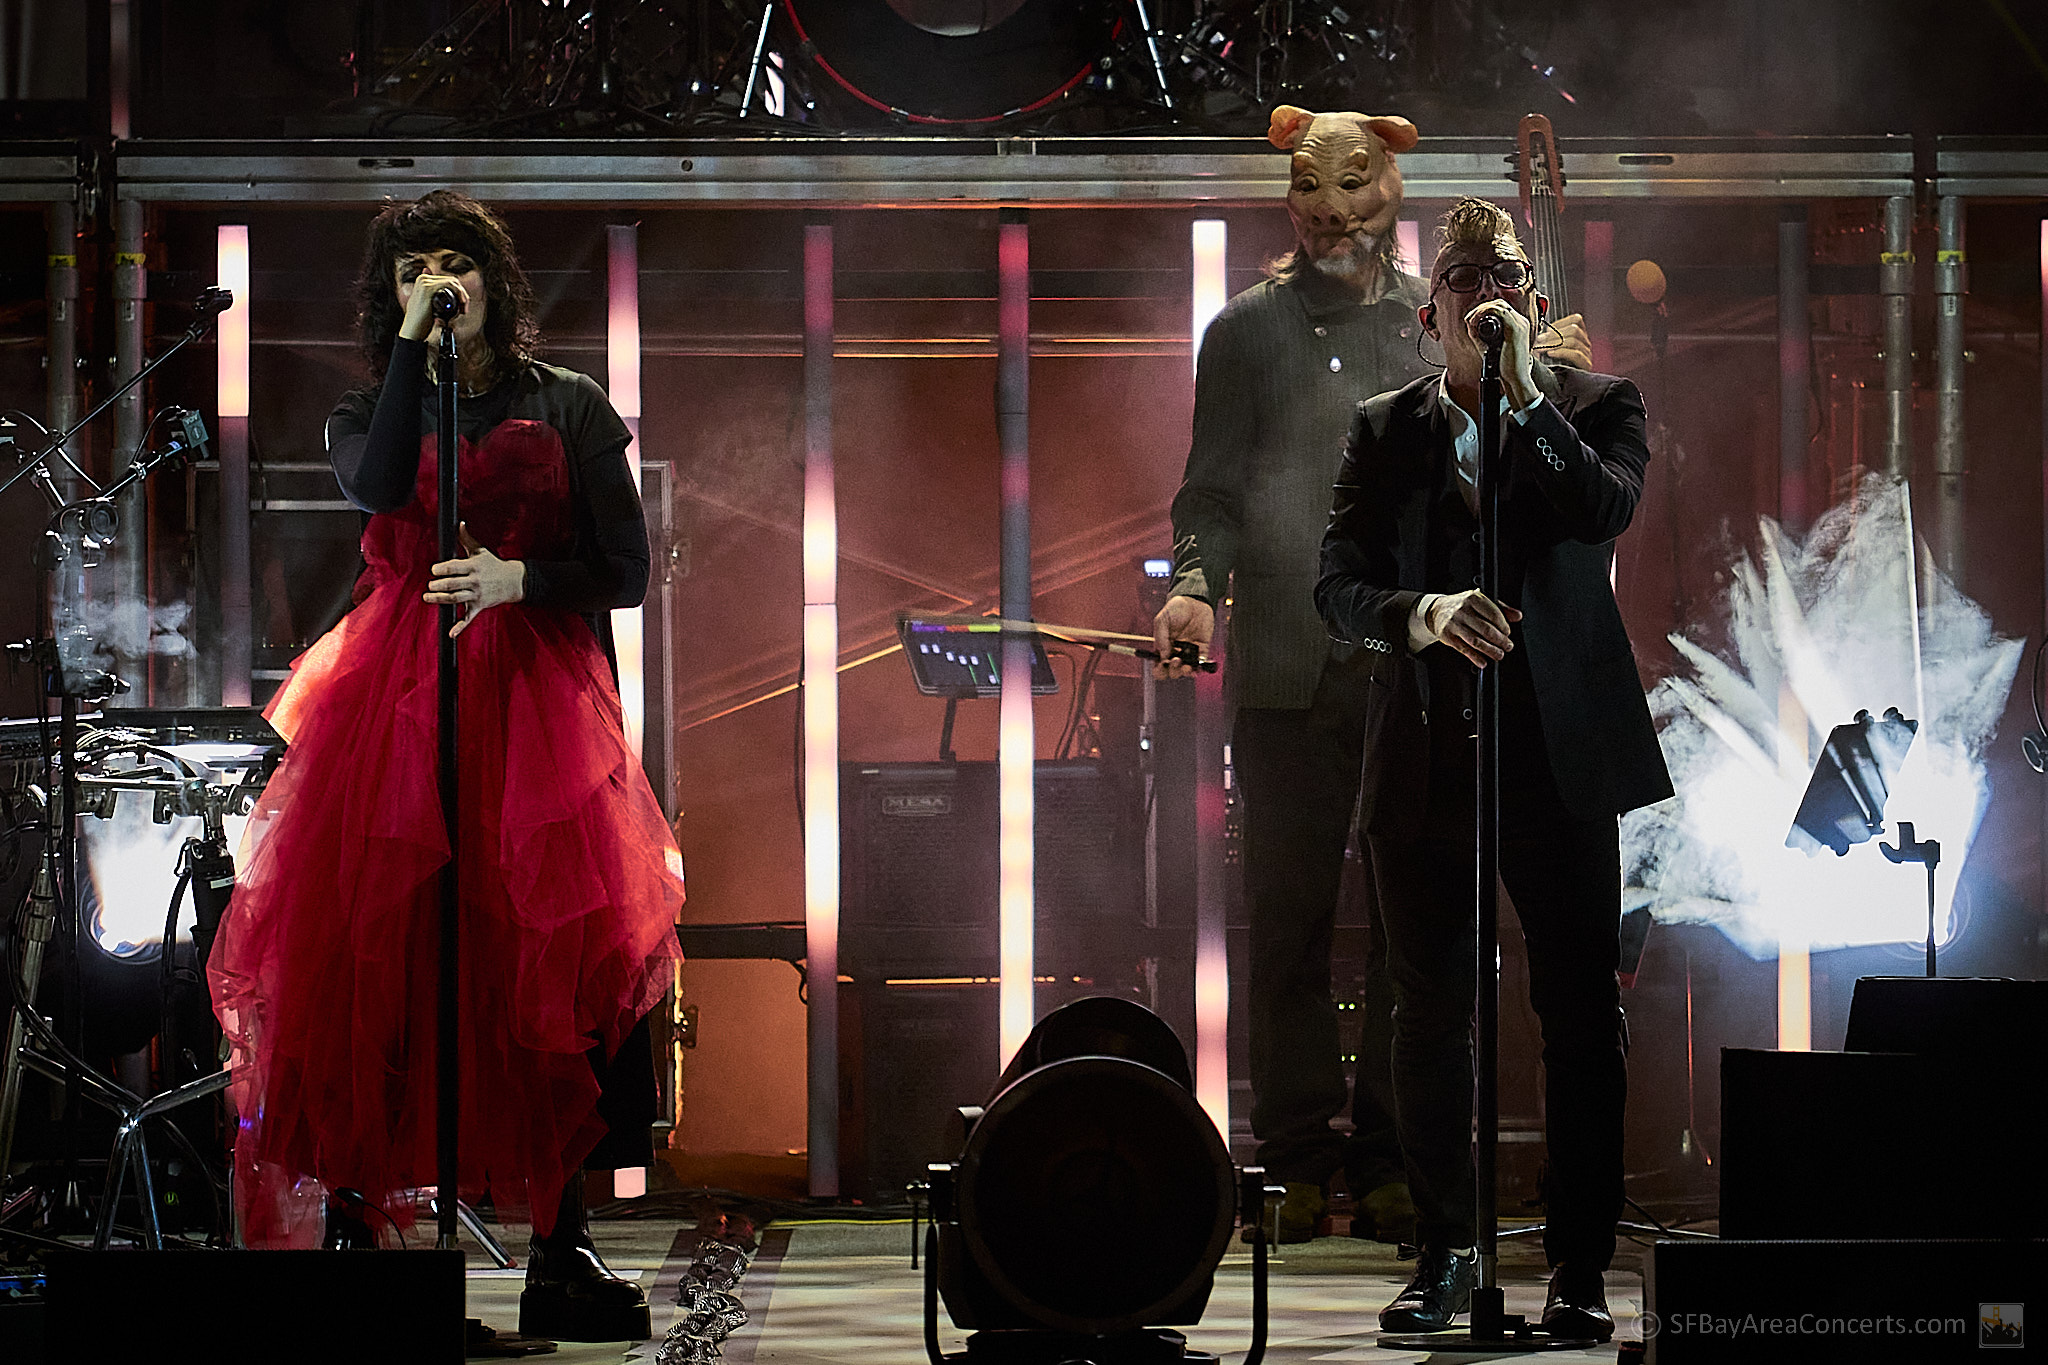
857, 173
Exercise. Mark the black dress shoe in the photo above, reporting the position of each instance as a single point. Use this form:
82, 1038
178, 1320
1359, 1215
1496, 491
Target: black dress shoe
1441, 1289
1577, 1305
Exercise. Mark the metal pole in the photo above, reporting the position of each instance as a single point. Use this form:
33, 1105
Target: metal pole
232, 253
448, 1031
1951, 282
821, 712
1487, 1300
61, 292
1895, 285
126, 585
1795, 347
1016, 757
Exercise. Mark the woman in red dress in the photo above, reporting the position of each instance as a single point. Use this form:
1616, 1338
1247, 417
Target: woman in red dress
324, 975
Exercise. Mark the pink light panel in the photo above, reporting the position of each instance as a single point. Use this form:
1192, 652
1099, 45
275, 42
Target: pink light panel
1016, 739
622, 373
1408, 240
1210, 241
231, 332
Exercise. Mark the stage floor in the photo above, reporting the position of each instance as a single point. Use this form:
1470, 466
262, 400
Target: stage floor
821, 1292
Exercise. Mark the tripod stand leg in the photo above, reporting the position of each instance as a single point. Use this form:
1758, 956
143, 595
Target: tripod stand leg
760, 52
117, 1172
37, 925
491, 1245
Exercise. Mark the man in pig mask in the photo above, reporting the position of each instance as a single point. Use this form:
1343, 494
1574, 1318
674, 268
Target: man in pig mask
1281, 371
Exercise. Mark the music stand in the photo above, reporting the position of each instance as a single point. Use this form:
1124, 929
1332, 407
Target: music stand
1845, 799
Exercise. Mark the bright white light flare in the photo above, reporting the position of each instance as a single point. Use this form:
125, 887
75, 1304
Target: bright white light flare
1833, 619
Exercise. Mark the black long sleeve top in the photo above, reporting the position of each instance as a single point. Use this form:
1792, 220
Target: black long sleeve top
373, 440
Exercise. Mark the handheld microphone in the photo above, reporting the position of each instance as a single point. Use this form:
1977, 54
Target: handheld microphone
1490, 329
447, 303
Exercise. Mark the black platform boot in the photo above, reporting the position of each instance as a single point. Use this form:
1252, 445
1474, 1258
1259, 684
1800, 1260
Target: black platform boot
570, 1294
347, 1229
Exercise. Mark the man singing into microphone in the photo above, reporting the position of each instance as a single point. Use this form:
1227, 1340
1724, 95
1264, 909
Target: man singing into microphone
1399, 574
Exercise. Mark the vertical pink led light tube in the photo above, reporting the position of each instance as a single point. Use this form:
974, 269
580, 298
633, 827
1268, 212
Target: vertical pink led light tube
821, 714
622, 377
622, 373
1408, 242
1209, 240
1016, 740
231, 272
1209, 243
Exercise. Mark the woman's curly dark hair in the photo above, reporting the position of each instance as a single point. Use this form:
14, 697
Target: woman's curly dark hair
444, 220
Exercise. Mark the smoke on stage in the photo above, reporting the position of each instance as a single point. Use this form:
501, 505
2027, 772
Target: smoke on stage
1853, 616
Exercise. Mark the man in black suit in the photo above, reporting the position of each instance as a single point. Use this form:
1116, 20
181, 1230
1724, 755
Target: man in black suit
1399, 576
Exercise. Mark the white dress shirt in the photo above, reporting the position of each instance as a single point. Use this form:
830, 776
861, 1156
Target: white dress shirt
1465, 450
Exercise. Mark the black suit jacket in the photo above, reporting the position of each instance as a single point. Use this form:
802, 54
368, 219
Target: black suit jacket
1573, 474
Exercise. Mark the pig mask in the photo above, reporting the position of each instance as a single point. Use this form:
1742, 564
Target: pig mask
1343, 189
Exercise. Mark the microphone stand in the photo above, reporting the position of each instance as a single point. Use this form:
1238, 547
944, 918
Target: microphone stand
1487, 1301
448, 1053
209, 305
1493, 1329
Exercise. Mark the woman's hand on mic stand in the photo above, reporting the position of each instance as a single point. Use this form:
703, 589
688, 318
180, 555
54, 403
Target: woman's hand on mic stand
478, 581
417, 295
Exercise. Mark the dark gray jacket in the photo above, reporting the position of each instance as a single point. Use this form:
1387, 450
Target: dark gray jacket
1282, 369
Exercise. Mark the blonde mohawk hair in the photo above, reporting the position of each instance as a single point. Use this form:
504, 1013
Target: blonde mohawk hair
1473, 223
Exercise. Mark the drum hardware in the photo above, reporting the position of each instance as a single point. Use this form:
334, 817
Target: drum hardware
70, 663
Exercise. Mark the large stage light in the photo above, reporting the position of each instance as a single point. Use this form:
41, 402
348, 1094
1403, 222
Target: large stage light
1092, 1202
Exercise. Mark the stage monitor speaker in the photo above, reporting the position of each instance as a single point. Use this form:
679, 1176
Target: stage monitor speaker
1916, 1303
1863, 1144
918, 937
1981, 1017
331, 1307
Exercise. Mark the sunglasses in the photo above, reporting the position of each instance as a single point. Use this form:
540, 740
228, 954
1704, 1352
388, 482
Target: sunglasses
1508, 275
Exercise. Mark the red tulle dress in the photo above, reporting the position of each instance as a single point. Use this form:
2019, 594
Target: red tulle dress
324, 974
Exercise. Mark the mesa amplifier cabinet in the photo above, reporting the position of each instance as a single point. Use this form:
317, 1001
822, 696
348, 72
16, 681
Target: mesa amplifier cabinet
918, 936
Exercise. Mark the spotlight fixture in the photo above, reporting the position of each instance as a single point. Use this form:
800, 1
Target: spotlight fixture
1091, 1203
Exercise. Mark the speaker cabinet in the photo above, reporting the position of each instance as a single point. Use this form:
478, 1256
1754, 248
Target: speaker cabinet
331, 1307
1936, 1135
919, 938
